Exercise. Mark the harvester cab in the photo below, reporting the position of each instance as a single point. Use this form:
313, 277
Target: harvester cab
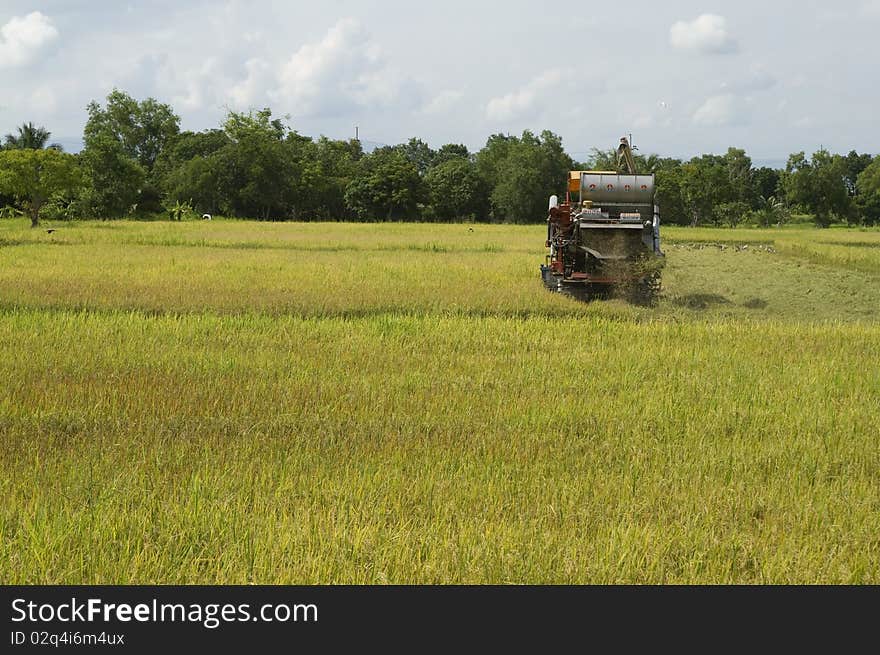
605, 237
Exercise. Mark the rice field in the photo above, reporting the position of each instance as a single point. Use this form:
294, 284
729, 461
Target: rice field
242, 402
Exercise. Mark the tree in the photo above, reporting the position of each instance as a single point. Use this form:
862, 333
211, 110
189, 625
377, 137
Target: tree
335, 165
705, 184
34, 176
30, 137
648, 163
713, 187
771, 211
259, 167
818, 186
456, 190
240, 125
602, 159
142, 128
187, 145
419, 153
115, 180
740, 187
765, 182
732, 213
491, 157
175, 156
122, 144
522, 173
196, 181
855, 164
669, 178
868, 186
451, 151
388, 186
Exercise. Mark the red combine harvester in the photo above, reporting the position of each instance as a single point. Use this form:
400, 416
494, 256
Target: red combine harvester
608, 239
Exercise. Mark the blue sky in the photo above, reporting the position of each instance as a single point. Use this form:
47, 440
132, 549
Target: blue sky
682, 77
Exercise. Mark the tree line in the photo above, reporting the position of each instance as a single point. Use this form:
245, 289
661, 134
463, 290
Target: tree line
136, 162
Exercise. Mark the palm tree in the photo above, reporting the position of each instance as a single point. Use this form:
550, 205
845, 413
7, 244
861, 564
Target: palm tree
649, 162
30, 137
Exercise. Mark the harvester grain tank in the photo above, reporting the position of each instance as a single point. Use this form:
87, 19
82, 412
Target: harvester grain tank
606, 235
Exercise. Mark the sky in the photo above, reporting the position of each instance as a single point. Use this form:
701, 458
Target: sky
682, 77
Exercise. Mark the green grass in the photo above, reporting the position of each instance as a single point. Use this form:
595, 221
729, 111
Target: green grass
251, 402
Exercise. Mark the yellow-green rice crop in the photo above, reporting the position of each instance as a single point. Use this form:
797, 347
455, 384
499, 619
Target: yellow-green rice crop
249, 402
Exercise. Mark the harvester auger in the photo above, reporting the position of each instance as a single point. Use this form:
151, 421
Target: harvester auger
607, 241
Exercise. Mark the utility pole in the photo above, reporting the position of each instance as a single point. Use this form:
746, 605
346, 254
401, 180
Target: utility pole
356, 138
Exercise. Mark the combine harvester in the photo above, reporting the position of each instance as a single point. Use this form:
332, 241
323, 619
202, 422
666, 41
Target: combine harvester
608, 240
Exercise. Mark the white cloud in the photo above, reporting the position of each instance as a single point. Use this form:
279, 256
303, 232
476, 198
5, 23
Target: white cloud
798, 81
526, 101
198, 87
251, 90
342, 71
442, 102
22, 38
756, 79
706, 33
43, 99
724, 110
203, 57
187, 87
871, 8
643, 121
